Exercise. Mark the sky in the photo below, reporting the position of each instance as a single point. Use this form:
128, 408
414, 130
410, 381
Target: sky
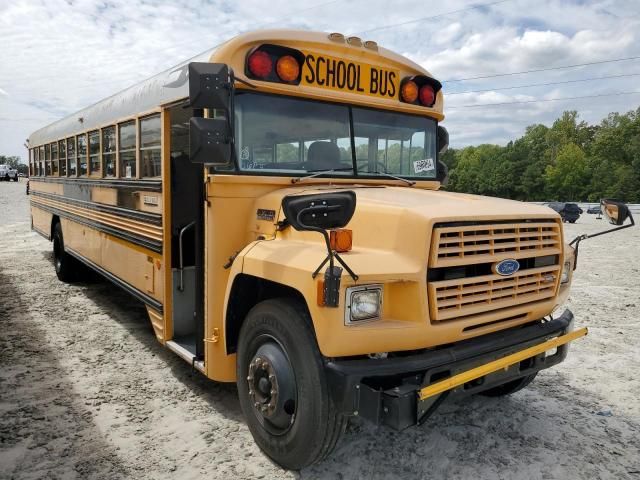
58, 56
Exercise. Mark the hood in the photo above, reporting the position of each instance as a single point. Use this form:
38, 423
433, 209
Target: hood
392, 216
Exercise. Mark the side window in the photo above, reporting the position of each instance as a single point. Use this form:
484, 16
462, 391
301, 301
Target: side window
54, 158
150, 146
71, 156
62, 155
109, 151
30, 161
94, 153
127, 149
82, 154
47, 159
41, 157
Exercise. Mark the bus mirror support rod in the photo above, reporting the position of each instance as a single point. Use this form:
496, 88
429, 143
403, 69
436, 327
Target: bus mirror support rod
616, 213
317, 213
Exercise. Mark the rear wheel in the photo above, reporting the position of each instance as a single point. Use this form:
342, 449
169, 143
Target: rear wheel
282, 385
65, 265
509, 387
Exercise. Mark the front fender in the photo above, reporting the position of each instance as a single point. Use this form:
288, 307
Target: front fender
291, 263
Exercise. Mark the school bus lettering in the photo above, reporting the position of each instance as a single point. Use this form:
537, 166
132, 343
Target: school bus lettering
337, 74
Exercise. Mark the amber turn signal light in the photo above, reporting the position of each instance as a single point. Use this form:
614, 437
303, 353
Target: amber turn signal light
409, 91
341, 240
287, 68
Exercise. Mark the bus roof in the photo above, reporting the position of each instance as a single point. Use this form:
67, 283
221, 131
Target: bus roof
171, 85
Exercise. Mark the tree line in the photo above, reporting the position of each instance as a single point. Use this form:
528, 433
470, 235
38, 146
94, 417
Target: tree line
569, 161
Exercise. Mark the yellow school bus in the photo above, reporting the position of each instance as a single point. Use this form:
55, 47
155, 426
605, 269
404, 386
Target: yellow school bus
276, 204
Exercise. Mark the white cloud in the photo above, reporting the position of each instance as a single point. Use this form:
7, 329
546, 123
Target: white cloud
58, 56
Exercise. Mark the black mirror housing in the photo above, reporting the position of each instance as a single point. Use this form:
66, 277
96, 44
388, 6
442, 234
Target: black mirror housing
443, 140
616, 212
319, 212
210, 141
209, 86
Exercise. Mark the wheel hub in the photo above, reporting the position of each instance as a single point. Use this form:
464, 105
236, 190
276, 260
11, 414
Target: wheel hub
272, 386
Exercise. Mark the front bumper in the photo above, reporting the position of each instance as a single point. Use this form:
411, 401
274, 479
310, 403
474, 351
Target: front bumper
391, 391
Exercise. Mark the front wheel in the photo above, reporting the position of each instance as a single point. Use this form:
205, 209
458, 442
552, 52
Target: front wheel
282, 385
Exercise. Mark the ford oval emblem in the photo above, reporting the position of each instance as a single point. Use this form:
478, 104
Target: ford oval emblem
506, 267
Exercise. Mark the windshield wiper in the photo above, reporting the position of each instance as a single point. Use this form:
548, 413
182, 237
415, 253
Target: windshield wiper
317, 173
411, 183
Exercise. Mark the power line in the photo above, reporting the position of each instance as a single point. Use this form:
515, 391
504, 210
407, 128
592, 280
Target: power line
542, 69
543, 100
547, 84
415, 20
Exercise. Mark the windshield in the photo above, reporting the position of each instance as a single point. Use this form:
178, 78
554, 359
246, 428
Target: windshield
292, 136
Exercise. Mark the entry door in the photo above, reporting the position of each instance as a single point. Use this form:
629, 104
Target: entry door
187, 235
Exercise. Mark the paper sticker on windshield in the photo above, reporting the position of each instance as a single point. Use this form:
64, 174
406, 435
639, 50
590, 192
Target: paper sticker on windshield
424, 165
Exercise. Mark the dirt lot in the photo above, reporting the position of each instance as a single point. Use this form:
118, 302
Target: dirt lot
87, 392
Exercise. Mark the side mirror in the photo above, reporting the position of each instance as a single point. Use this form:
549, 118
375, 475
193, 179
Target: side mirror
443, 140
209, 86
210, 141
615, 212
319, 212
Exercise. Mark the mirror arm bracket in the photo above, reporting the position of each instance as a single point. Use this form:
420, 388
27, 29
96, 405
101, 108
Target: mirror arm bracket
585, 236
331, 254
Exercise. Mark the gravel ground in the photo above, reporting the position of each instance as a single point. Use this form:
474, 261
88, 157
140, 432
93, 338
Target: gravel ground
87, 392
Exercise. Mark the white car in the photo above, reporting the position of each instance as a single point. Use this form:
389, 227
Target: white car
7, 173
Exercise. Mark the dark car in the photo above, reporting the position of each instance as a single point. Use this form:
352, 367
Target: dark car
595, 209
570, 212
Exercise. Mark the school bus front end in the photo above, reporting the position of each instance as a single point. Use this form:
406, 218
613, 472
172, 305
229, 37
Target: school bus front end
341, 280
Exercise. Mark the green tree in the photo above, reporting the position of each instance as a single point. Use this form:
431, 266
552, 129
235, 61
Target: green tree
566, 178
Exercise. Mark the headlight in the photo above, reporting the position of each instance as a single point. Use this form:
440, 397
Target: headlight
363, 303
566, 272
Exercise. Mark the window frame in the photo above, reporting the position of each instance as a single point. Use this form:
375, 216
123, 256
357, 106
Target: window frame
103, 153
75, 156
237, 170
141, 149
86, 154
90, 156
119, 150
62, 161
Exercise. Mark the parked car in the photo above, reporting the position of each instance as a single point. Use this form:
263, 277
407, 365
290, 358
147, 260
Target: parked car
570, 212
595, 209
7, 173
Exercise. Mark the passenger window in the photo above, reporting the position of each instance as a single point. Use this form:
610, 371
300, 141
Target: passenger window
127, 149
47, 159
82, 154
109, 151
62, 155
54, 158
94, 153
41, 157
71, 156
150, 163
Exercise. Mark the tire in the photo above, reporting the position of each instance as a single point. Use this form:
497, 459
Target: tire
299, 424
509, 387
65, 264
